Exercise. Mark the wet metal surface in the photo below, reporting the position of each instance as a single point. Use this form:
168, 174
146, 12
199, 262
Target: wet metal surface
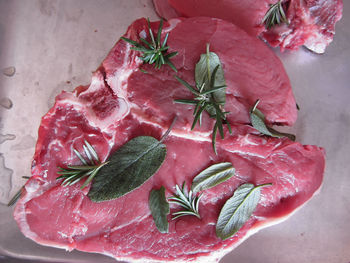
55, 44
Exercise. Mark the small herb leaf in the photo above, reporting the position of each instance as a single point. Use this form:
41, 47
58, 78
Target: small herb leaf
258, 122
129, 167
208, 71
159, 207
212, 176
237, 210
257, 119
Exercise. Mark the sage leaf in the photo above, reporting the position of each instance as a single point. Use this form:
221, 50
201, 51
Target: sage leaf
257, 119
209, 92
212, 176
208, 64
128, 168
159, 207
237, 210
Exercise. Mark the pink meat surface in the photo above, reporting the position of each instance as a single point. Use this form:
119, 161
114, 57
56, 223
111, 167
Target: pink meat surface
311, 22
121, 103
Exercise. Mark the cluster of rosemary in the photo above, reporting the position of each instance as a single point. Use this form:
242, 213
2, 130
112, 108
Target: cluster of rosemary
154, 51
275, 15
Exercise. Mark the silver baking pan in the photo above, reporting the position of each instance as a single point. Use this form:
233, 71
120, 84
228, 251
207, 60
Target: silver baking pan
50, 45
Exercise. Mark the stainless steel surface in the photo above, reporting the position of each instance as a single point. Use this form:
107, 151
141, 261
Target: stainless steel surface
55, 45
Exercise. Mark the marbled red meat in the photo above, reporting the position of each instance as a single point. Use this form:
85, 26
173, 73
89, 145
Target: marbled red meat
122, 103
311, 22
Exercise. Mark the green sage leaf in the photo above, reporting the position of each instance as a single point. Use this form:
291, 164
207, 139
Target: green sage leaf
257, 119
208, 64
159, 207
212, 176
237, 210
128, 168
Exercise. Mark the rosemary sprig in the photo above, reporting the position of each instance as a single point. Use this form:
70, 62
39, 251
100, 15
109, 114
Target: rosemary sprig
74, 173
16, 197
187, 200
205, 101
154, 51
18, 194
275, 15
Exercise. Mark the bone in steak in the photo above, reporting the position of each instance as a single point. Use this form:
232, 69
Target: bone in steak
121, 103
311, 22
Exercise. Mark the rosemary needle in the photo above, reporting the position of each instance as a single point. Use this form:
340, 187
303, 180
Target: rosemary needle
187, 200
74, 173
275, 15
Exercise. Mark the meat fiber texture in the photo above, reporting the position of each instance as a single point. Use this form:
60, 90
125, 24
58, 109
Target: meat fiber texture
311, 22
122, 102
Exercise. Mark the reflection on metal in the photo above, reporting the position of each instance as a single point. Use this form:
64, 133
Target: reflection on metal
5, 179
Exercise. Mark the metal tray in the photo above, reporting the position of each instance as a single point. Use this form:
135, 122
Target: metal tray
55, 45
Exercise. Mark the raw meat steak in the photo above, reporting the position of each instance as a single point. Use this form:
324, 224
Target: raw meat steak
311, 22
122, 103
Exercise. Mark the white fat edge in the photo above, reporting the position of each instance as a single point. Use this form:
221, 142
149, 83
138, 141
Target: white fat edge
135, 220
54, 143
245, 140
143, 34
212, 258
36, 257
118, 82
118, 114
246, 153
172, 24
97, 82
193, 135
317, 43
63, 235
33, 189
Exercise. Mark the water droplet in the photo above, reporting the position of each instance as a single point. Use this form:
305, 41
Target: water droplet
6, 103
10, 71
5, 179
27, 142
7, 137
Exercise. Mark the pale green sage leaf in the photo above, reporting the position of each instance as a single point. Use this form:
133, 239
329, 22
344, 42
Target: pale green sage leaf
237, 210
159, 207
212, 176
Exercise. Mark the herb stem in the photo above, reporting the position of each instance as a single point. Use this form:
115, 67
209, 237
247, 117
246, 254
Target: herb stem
275, 15
208, 62
15, 198
169, 130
